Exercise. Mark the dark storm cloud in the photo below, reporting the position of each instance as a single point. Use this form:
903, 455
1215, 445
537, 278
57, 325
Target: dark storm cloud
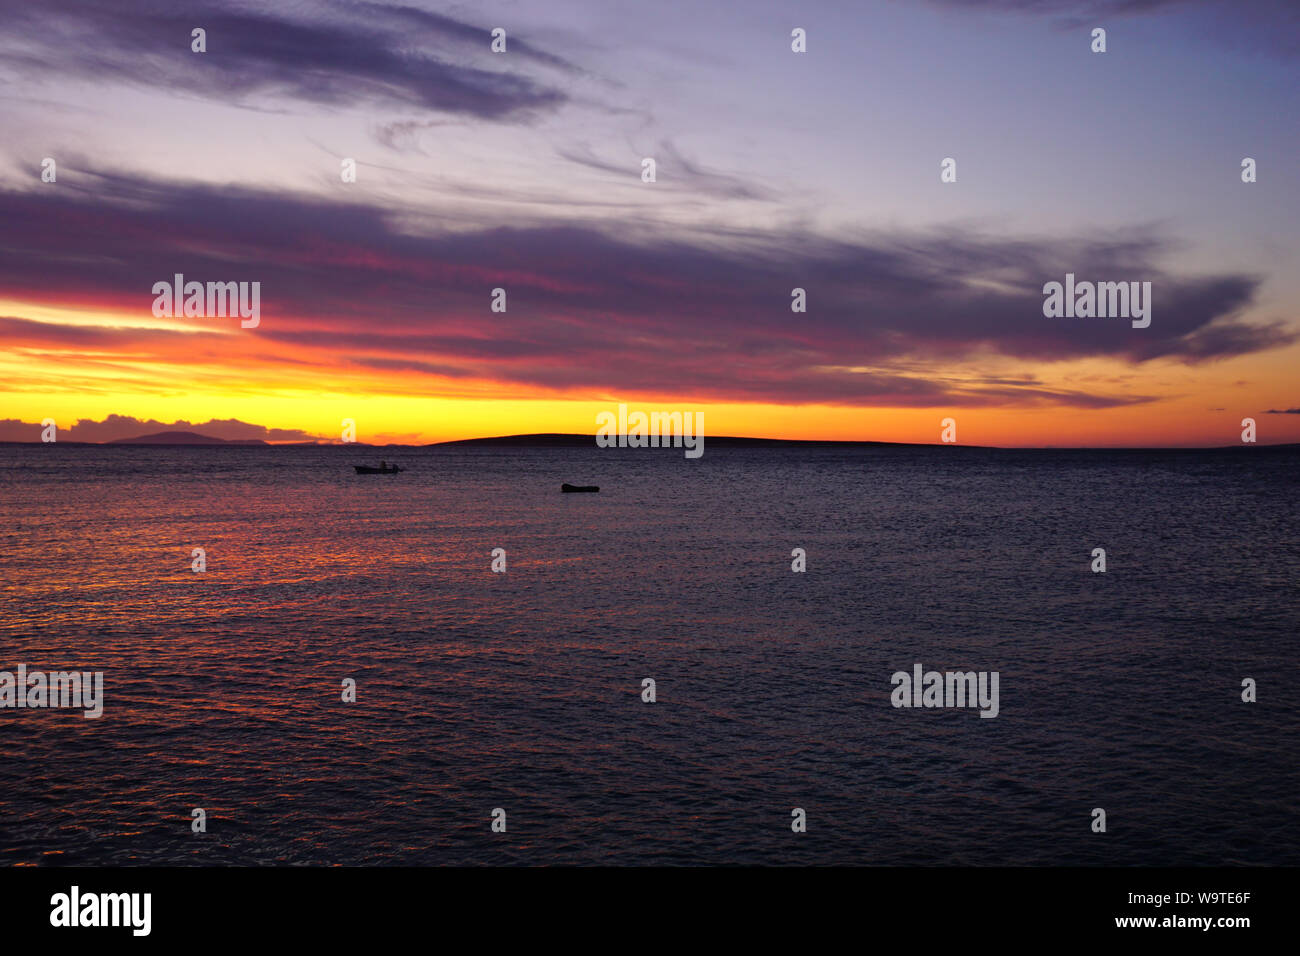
595, 310
343, 53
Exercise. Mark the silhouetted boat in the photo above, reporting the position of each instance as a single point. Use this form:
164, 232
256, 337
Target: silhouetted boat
385, 470
568, 487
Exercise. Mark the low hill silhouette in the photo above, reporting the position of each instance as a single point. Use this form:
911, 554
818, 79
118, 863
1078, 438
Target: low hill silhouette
182, 438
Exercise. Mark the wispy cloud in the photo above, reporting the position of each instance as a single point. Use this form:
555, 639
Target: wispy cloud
1270, 25
671, 166
340, 53
344, 285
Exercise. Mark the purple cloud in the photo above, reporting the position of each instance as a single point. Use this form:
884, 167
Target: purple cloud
700, 313
339, 54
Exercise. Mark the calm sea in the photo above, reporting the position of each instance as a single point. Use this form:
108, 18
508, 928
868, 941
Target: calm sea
522, 690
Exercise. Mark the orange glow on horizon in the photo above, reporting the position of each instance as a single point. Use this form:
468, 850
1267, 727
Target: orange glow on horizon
196, 371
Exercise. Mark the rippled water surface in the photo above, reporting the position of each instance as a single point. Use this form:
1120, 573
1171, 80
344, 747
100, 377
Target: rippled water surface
522, 690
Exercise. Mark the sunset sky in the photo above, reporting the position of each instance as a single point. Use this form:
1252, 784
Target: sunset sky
775, 170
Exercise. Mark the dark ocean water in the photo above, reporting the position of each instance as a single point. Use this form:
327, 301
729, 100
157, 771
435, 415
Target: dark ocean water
522, 690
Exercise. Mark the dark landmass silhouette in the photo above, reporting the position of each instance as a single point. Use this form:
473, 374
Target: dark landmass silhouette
183, 438
558, 440
571, 440
562, 440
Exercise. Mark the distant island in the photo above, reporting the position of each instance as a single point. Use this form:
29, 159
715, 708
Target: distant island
182, 438
560, 440
557, 439
573, 440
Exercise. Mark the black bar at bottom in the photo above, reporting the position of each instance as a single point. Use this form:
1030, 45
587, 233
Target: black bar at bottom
657, 906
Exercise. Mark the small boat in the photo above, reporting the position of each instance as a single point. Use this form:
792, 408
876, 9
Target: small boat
383, 469
566, 487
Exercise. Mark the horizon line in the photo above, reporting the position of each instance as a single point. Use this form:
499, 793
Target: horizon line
576, 437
